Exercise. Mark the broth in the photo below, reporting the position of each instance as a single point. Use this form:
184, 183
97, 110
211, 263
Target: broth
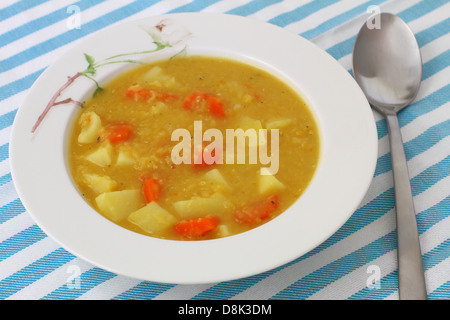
125, 158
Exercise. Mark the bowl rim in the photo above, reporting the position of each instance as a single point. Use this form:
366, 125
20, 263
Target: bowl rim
346, 164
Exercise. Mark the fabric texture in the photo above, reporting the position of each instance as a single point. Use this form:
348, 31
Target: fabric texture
34, 33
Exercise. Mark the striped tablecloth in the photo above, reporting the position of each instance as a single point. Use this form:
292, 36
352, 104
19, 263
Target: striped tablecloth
33, 33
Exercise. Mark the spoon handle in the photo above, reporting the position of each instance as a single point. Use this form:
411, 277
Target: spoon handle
410, 268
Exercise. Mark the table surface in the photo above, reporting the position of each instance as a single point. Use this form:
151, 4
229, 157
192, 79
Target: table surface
358, 262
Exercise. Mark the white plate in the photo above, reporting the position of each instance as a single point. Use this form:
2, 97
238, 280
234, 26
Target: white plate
347, 159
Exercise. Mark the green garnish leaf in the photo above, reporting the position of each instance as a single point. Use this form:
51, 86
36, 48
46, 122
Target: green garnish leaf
90, 60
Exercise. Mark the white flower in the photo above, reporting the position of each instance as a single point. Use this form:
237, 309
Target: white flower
167, 33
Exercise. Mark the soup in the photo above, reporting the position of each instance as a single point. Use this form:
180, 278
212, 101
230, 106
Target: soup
193, 148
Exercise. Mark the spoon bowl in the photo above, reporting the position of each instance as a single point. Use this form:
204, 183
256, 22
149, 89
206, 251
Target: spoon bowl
387, 65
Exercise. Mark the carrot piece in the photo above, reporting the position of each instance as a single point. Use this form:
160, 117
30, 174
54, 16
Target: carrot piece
152, 190
194, 100
164, 96
216, 107
256, 213
119, 132
144, 94
196, 227
137, 93
198, 99
131, 92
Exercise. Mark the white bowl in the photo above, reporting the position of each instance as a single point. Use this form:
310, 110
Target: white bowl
347, 157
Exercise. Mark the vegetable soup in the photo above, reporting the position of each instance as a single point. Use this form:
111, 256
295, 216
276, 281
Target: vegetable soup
193, 148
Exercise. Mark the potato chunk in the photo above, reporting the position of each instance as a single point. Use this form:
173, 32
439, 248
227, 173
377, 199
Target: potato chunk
117, 205
156, 77
246, 123
267, 183
223, 231
152, 218
90, 124
102, 156
98, 183
215, 176
278, 124
200, 207
125, 158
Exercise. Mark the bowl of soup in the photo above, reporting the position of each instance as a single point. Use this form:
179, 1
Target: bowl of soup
173, 152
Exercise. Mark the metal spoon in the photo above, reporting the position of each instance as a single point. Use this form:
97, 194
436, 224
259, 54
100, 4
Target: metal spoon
388, 67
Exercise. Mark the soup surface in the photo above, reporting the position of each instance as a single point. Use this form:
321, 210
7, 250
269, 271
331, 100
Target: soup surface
159, 150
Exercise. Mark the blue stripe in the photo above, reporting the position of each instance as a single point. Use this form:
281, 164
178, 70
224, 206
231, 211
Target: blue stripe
345, 47
87, 281
42, 22
7, 119
433, 215
33, 272
427, 104
416, 146
144, 291
11, 210
355, 223
432, 33
252, 7
26, 82
417, 109
301, 12
441, 293
430, 176
436, 64
362, 217
4, 152
5, 179
19, 85
420, 9
228, 289
365, 215
339, 19
389, 283
335, 270
437, 254
20, 241
74, 34
194, 6
18, 7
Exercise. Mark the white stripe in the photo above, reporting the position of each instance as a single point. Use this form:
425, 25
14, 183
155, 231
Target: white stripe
438, 275
417, 164
357, 280
32, 14
274, 10
59, 28
437, 234
183, 292
53, 280
15, 225
5, 135
8, 193
428, 51
44, 34
110, 288
27, 256
322, 15
351, 28
369, 233
224, 6
4, 167
6, 3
